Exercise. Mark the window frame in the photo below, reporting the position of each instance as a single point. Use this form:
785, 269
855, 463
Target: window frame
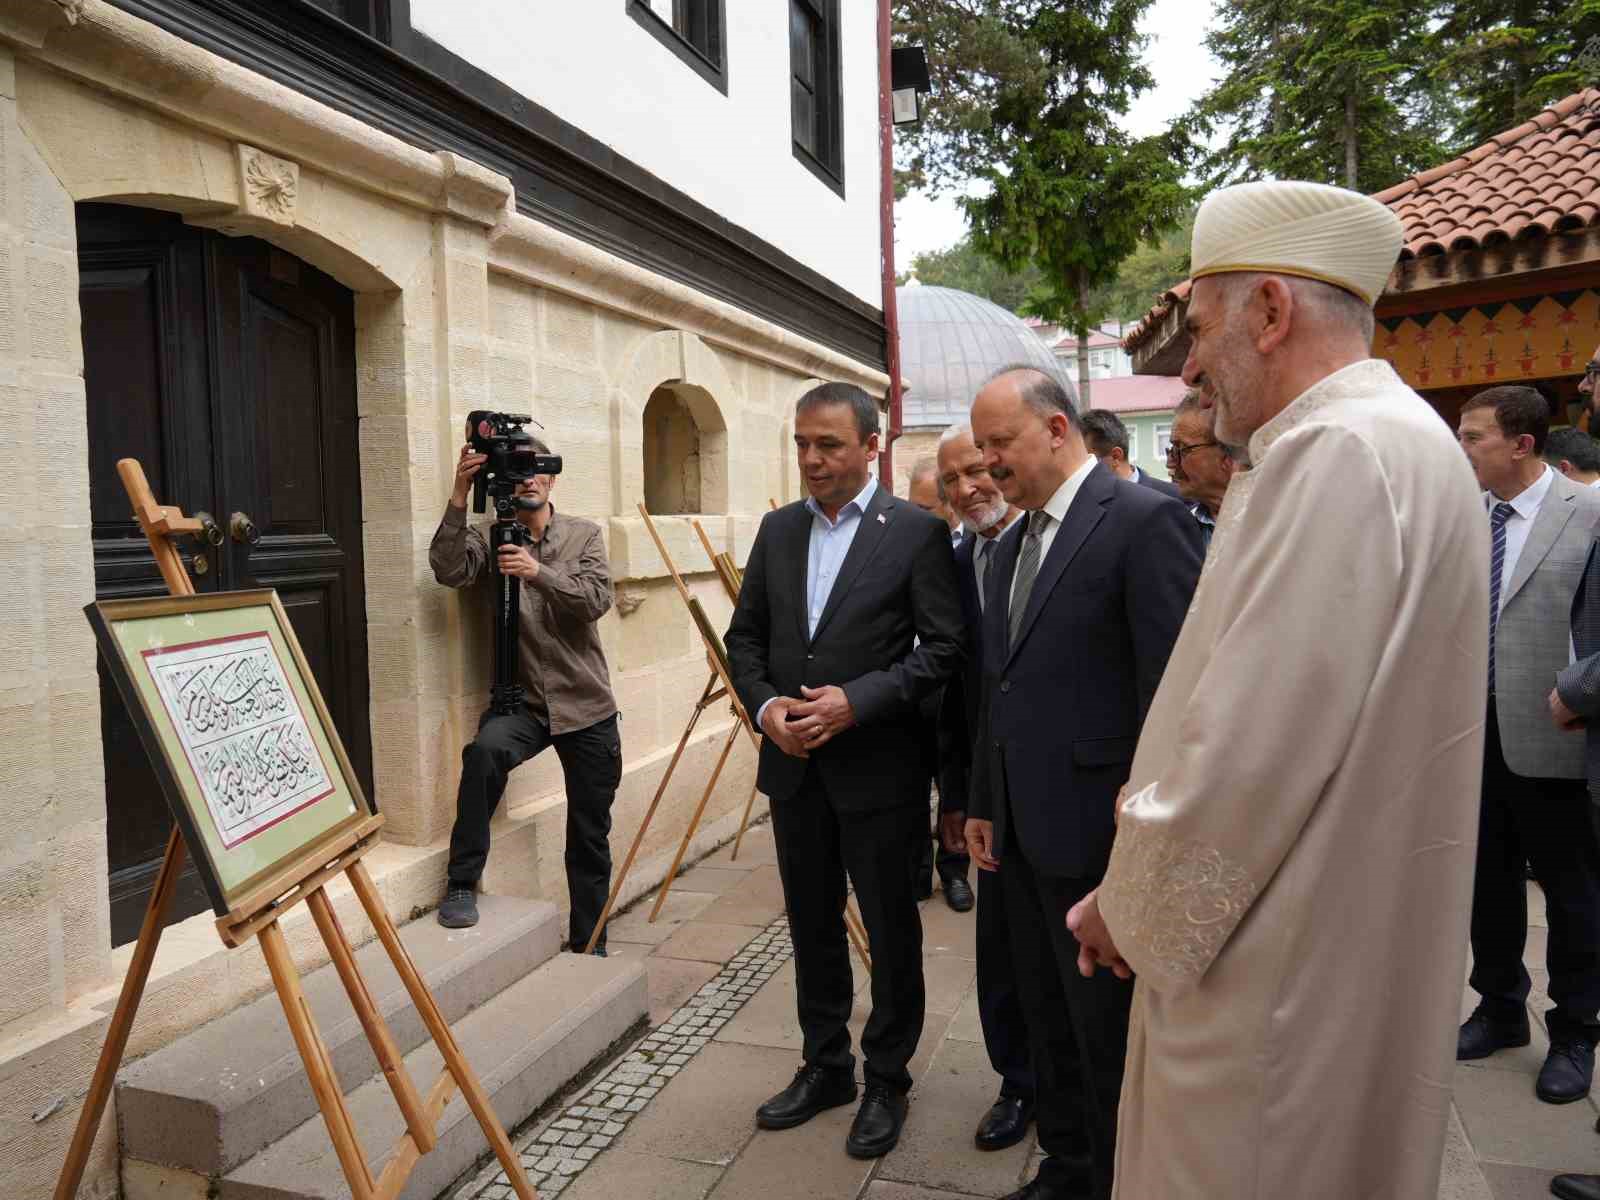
827, 94
1163, 439
714, 72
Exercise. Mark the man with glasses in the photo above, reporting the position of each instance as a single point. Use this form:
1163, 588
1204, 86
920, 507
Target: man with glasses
1200, 465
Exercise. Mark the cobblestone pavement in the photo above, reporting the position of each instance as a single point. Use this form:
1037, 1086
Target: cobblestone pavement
672, 1117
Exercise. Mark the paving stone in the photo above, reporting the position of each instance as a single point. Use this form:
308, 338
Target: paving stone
1461, 1177
716, 880
621, 1173
936, 1150
887, 1189
967, 1026
945, 932
673, 981
756, 900
799, 1164
1516, 1183
705, 940
948, 982
1506, 1124
756, 850
635, 924
708, 1114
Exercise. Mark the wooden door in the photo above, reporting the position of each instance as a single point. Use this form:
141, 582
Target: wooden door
227, 367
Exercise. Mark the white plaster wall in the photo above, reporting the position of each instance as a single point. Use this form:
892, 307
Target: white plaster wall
594, 66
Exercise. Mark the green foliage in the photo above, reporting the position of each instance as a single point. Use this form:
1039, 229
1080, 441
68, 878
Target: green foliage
965, 267
1336, 91
1507, 60
1146, 273
1028, 100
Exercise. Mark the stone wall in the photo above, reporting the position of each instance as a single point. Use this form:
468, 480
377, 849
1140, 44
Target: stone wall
460, 304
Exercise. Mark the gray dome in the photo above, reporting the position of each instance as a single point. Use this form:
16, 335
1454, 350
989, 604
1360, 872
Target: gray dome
950, 342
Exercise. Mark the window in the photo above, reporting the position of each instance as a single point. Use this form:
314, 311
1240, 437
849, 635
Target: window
814, 88
695, 30
1163, 440
1133, 443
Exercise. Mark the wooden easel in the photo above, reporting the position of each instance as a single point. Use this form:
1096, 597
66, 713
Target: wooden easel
718, 687
257, 915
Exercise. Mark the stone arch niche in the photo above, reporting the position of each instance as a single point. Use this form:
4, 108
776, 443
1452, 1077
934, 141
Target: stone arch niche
685, 451
674, 444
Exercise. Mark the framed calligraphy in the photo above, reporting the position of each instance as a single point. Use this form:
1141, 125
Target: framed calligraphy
236, 730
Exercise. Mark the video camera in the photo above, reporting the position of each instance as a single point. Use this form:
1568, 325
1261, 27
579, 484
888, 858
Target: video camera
512, 458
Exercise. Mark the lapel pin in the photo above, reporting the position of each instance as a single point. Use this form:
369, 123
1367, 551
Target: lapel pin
882, 520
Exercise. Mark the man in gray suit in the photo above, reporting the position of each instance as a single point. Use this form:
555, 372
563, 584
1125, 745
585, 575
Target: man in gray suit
1535, 804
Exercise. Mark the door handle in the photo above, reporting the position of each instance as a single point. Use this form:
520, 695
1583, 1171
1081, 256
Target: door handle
243, 529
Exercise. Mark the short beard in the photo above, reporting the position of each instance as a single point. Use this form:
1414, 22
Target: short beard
1232, 387
989, 517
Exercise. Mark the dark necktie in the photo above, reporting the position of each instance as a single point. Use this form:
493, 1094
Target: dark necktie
984, 546
1027, 568
1497, 560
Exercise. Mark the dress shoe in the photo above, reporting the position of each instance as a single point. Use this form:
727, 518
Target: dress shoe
1005, 1124
1568, 1070
813, 1089
958, 893
1576, 1187
459, 908
1042, 1187
878, 1121
1481, 1035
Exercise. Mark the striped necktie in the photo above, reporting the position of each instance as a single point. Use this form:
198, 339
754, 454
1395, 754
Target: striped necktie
1027, 568
1497, 560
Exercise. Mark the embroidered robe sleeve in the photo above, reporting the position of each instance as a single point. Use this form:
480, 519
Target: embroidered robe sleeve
1304, 588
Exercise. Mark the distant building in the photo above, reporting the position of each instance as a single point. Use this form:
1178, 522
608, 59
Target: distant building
950, 342
1145, 404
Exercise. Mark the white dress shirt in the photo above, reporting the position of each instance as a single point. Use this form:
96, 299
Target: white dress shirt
830, 542
1525, 510
1057, 507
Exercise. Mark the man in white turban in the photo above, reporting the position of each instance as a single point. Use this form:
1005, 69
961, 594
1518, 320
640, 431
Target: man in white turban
1292, 874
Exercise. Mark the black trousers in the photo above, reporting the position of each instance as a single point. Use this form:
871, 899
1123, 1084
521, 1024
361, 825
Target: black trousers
1005, 1029
1077, 1028
591, 764
818, 845
1546, 824
932, 856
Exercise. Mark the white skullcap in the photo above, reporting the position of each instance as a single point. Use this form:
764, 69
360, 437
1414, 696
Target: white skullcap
1292, 228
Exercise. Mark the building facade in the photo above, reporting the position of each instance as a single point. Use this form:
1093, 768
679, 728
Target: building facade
276, 250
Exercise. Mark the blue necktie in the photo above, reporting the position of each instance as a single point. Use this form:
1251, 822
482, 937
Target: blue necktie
1497, 558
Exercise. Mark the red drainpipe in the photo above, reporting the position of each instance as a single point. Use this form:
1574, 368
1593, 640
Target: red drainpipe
891, 317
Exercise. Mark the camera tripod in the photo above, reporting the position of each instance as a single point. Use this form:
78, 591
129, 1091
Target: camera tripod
505, 693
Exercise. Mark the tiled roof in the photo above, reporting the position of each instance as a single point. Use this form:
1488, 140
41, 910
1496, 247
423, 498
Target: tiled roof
1541, 177
1136, 393
1142, 332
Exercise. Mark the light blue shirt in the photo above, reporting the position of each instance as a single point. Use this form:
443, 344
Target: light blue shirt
830, 542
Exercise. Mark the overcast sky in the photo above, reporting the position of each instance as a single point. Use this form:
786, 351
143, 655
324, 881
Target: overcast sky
1183, 70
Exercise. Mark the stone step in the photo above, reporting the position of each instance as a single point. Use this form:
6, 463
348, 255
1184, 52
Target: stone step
211, 1099
525, 1045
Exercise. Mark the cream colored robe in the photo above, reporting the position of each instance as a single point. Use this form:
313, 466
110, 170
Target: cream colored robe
1292, 875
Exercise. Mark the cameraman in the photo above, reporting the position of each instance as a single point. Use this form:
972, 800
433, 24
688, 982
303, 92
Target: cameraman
566, 589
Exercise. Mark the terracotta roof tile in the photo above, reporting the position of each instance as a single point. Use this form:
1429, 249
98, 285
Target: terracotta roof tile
1541, 177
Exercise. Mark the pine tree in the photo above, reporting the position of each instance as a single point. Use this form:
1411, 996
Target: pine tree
1507, 59
1336, 91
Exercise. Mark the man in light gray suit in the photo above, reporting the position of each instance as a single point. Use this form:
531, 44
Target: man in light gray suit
1535, 804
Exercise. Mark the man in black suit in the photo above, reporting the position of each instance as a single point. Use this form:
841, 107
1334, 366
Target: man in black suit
1107, 439
986, 515
1085, 604
849, 617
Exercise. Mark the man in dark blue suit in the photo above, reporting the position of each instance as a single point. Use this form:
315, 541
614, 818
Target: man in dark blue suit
1085, 603
985, 515
1107, 439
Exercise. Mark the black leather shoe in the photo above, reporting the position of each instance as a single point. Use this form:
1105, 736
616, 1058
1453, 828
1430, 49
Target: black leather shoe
878, 1121
813, 1089
958, 894
1576, 1187
1005, 1124
1481, 1035
1567, 1073
459, 908
1042, 1187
